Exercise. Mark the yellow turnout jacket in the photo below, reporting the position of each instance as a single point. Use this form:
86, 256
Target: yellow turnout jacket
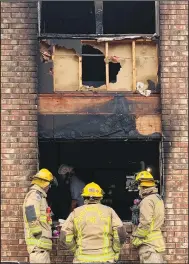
91, 232
151, 219
37, 226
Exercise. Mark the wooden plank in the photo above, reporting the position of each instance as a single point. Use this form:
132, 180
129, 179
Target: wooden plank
53, 54
80, 72
124, 56
116, 41
90, 105
107, 65
66, 70
134, 64
148, 124
146, 64
157, 60
90, 127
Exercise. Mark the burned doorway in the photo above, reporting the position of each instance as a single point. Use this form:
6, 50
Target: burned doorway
108, 163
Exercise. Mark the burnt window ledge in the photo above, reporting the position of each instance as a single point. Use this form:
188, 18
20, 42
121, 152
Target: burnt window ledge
96, 36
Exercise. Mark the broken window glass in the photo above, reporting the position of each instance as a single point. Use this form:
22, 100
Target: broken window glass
129, 17
68, 17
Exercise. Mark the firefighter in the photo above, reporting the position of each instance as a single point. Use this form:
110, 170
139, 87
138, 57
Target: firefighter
147, 237
93, 232
75, 183
37, 218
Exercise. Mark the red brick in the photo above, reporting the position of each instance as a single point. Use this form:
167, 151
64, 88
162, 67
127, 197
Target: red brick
19, 142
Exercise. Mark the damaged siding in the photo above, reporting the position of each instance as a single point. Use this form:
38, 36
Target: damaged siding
84, 108
138, 66
65, 70
88, 116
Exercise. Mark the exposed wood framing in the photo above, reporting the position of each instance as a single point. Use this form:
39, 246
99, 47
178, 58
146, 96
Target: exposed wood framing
157, 61
138, 60
53, 54
88, 103
80, 72
107, 65
134, 64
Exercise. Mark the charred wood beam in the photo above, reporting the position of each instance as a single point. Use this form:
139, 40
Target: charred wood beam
95, 36
99, 17
157, 17
91, 105
82, 127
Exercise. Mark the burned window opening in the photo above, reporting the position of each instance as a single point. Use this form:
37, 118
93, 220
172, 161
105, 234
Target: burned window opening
122, 65
93, 67
129, 17
68, 17
114, 69
98, 18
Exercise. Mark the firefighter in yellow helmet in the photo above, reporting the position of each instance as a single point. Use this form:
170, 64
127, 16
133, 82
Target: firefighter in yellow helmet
147, 237
93, 232
37, 218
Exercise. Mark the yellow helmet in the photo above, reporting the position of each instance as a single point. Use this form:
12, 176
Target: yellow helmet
43, 178
147, 184
145, 179
44, 174
144, 176
92, 190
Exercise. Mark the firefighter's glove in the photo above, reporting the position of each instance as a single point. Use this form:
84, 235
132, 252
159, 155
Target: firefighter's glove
136, 241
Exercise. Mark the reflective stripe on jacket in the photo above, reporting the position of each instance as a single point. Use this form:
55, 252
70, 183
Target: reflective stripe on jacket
151, 221
91, 233
38, 232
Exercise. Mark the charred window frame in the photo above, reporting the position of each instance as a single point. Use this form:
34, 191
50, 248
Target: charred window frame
99, 23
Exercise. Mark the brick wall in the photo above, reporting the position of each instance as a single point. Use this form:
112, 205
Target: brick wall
174, 92
18, 120
19, 126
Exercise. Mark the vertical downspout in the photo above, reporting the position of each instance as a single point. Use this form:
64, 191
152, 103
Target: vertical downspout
161, 145
39, 33
162, 170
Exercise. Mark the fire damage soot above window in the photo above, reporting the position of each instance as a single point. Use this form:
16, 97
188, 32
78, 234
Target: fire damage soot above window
68, 17
129, 17
93, 67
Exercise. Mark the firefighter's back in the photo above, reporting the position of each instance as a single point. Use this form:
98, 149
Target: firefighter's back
93, 228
